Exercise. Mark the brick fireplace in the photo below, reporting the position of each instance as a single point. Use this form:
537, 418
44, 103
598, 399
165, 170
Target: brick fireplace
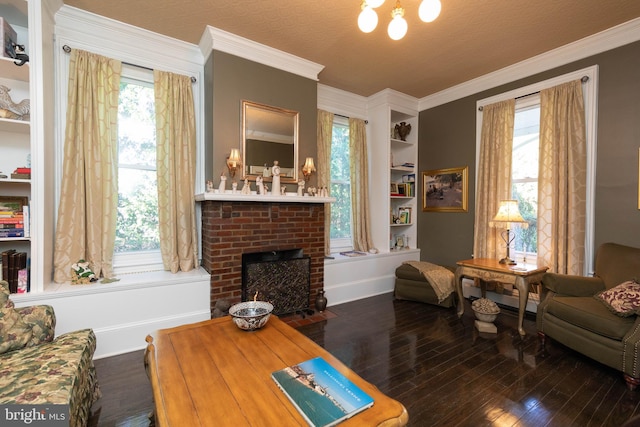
231, 228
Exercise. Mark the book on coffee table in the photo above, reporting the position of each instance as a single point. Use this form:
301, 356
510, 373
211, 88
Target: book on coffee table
321, 394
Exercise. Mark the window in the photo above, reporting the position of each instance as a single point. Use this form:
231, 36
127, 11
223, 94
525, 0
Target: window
341, 237
137, 237
524, 174
525, 157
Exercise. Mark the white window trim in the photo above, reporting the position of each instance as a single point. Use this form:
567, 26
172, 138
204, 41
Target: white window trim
590, 91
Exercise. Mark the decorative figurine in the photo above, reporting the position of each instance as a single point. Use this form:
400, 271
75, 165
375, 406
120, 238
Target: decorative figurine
259, 185
11, 110
234, 187
301, 188
209, 186
223, 183
275, 181
246, 189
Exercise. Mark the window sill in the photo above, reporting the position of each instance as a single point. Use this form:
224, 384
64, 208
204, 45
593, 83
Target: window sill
127, 282
339, 259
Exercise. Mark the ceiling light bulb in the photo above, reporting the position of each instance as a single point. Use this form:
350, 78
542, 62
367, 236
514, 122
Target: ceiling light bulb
429, 10
398, 25
375, 3
368, 19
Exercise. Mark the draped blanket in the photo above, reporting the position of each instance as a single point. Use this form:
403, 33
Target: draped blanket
441, 279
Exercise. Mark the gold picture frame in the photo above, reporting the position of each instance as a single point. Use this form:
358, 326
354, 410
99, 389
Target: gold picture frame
445, 190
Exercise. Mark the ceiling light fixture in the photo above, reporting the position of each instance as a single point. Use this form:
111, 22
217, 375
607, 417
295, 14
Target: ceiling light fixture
428, 11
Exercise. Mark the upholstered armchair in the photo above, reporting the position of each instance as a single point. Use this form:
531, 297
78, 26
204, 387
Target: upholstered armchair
596, 316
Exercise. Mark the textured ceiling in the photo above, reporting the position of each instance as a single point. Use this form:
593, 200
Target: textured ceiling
469, 39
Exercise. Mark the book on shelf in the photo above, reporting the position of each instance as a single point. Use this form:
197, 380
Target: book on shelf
12, 263
14, 217
322, 395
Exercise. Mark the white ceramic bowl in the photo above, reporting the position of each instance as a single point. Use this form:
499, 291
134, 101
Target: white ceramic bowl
251, 315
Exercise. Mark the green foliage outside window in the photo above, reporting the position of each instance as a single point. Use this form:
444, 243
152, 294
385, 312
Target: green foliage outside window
137, 221
340, 183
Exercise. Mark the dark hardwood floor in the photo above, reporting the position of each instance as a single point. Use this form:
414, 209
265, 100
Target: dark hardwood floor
438, 366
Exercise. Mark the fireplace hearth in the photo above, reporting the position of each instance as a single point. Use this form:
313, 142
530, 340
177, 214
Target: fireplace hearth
280, 277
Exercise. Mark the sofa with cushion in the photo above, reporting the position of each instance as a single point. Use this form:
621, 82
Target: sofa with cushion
597, 316
36, 368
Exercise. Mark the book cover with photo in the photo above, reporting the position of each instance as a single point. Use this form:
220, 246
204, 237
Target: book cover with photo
321, 394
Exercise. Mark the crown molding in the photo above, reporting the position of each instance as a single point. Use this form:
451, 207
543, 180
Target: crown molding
223, 41
341, 102
397, 101
603, 41
86, 30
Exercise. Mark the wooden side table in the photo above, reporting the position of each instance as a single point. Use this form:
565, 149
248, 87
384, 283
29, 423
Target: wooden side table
521, 276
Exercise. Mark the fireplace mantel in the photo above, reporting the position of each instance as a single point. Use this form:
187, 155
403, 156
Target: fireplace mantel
267, 198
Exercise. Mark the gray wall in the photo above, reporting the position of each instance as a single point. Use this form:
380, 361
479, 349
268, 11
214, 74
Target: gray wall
233, 79
447, 138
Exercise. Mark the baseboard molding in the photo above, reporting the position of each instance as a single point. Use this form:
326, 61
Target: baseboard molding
355, 290
124, 338
349, 279
468, 290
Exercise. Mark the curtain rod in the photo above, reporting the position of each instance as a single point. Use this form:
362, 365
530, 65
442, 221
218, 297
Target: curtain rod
584, 79
67, 49
366, 122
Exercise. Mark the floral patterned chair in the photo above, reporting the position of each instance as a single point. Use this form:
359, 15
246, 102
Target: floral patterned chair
37, 369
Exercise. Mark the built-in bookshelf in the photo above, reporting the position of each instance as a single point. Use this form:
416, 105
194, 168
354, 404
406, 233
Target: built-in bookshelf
395, 152
26, 164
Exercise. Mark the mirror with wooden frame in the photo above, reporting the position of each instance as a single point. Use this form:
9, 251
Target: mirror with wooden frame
269, 134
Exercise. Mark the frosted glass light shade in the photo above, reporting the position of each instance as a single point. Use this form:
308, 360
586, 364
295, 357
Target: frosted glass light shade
397, 27
367, 20
429, 10
375, 3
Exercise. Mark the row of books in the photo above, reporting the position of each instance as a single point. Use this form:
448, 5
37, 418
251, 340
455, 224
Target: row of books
404, 189
21, 173
14, 223
15, 270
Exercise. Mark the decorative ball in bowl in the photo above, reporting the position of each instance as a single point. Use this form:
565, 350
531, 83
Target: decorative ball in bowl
485, 310
251, 315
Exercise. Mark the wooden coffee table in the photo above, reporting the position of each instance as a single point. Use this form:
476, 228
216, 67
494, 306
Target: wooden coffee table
213, 374
521, 276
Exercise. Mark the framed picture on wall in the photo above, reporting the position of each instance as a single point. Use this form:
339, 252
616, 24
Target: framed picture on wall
445, 190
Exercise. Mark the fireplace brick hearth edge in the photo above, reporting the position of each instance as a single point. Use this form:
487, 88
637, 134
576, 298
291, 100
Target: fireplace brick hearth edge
230, 228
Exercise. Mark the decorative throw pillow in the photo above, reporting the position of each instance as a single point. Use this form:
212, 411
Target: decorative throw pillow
623, 300
14, 333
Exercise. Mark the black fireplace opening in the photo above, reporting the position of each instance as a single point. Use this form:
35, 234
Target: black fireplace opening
281, 277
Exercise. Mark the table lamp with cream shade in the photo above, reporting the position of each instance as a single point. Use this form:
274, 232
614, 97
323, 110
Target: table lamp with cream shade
508, 214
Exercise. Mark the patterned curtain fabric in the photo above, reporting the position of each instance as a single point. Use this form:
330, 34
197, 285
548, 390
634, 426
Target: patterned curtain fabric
176, 145
494, 176
562, 179
323, 168
86, 227
358, 166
